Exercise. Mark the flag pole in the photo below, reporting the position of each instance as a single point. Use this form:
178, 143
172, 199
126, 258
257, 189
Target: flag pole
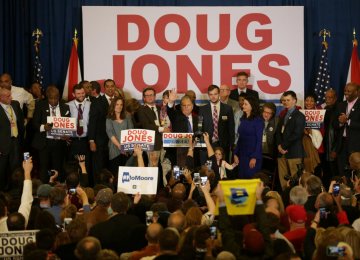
37, 76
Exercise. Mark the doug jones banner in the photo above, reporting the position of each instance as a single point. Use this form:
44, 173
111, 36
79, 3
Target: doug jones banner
193, 47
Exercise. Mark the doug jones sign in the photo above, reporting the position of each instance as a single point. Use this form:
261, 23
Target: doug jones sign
193, 47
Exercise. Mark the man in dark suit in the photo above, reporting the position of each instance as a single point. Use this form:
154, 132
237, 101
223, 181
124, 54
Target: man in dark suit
328, 158
98, 138
11, 133
122, 232
218, 121
348, 125
242, 79
289, 135
51, 149
183, 121
149, 117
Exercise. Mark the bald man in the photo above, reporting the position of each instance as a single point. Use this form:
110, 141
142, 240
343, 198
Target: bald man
11, 133
152, 248
348, 125
18, 94
51, 149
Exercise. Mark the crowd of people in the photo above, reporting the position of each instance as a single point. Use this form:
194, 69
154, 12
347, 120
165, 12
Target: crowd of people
307, 203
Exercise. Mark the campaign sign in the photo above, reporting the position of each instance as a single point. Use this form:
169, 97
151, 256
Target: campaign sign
314, 117
192, 47
130, 137
240, 197
62, 126
138, 179
179, 140
13, 242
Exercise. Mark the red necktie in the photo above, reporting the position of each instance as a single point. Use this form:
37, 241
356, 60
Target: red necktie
216, 123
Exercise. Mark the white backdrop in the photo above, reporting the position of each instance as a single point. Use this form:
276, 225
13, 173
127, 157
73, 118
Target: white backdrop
180, 47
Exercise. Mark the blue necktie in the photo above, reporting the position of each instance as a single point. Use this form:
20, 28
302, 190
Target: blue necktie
189, 125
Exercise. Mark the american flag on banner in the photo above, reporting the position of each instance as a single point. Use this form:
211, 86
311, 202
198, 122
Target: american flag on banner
322, 83
38, 77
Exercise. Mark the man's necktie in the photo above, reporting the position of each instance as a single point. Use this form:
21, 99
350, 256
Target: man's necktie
189, 125
53, 111
80, 128
14, 129
216, 123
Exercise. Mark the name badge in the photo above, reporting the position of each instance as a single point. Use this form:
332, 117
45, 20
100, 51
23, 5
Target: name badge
264, 138
224, 118
81, 122
282, 129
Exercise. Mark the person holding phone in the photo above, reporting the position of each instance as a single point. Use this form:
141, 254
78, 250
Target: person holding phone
219, 165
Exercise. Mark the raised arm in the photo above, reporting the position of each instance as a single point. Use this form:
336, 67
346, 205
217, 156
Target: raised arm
26, 197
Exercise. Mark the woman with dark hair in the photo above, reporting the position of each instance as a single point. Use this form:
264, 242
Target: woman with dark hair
312, 140
248, 151
116, 121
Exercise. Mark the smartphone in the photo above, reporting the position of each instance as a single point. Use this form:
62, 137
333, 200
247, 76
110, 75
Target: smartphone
209, 164
51, 172
26, 156
213, 232
323, 213
335, 251
196, 179
176, 171
67, 222
149, 217
336, 189
203, 180
72, 191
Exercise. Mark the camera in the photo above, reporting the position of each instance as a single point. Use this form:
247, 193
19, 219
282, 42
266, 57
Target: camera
208, 164
149, 217
51, 172
294, 180
335, 251
26, 156
197, 179
336, 189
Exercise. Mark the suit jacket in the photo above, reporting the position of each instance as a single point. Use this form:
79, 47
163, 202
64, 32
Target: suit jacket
352, 129
234, 104
234, 94
5, 127
147, 119
41, 113
179, 122
270, 136
226, 125
330, 135
97, 121
121, 233
290, 135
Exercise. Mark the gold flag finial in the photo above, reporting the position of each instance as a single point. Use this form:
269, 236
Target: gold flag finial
355, 42
37, 33
76, 39
325, 33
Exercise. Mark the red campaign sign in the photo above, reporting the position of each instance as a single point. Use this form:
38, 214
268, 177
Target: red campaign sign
191, 48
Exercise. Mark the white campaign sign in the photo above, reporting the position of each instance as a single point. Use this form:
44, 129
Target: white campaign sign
12, 243
193, 47
132, 180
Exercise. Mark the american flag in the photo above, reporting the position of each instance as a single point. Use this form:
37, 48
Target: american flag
322, 83
38, 77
